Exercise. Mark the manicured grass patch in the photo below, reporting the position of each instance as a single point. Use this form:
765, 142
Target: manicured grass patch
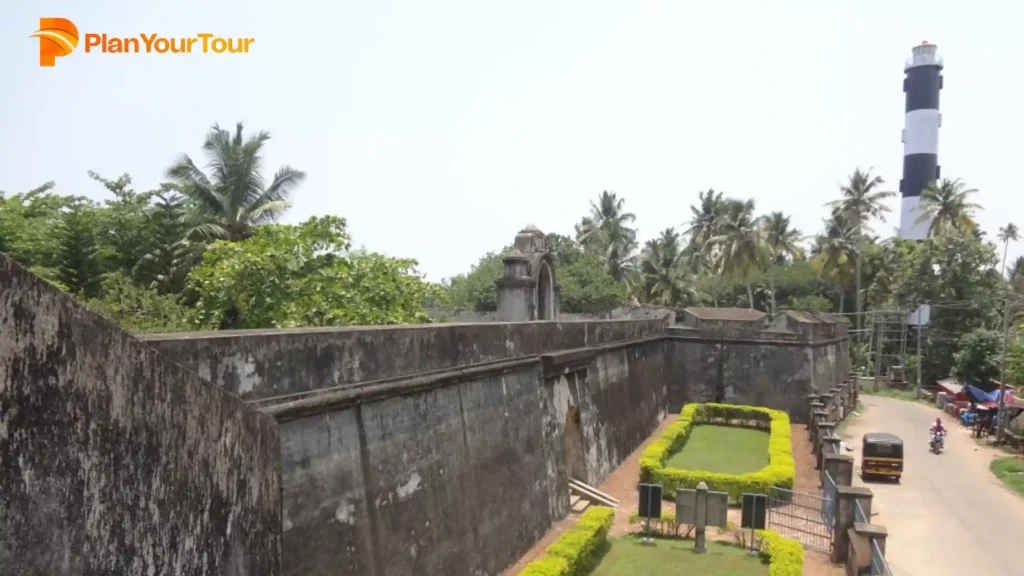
726, 449
627, 557
1011, 471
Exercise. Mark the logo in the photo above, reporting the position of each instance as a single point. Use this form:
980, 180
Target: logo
57, 37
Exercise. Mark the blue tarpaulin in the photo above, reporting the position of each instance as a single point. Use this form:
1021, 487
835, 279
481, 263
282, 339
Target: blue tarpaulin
980, 395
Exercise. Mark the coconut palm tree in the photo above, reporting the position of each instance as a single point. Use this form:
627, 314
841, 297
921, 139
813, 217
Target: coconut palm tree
704, 217
739, 244
946, 205
608, 232
836, 250
861, 201
234, 198
783, 244
1007, 234
664, 278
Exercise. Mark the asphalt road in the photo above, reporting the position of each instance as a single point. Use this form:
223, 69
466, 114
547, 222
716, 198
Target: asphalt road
949, 515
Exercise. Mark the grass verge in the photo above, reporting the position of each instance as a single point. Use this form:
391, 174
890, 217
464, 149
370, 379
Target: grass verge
1010, 470
628, 557
725, 449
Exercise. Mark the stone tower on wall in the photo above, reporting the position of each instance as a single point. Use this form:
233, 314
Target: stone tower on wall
528, 290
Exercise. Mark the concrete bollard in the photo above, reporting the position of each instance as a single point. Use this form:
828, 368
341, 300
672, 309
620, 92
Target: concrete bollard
829, 445
817, 416
702, 518
862, 536
825, 430
811, 399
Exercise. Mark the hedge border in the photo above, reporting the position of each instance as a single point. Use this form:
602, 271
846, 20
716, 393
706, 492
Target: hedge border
785, 556
576, 550
780, 471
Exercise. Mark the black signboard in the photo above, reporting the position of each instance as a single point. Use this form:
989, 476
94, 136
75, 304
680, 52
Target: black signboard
755, 508
650, 501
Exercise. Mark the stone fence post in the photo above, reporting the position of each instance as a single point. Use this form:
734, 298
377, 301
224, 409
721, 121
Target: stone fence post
840, 467
812, 405
845, 516
825, 430
861, 538
817, 416
829, 445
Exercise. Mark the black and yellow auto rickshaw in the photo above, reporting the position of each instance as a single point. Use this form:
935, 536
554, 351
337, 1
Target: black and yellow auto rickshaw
881, 456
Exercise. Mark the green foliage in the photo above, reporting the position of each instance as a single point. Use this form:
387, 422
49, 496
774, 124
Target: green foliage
784, 556
79, 268
976, 360
1009, 470
780, 471
813, 303
139, 309
576, 551
302, 275
1015, 362
475, 290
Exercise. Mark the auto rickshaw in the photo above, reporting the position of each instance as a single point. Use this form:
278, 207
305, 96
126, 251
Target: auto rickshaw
881, 455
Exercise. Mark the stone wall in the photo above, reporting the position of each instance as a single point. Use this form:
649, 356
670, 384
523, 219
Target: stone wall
459, 471
738, 362
266, 364
114, 460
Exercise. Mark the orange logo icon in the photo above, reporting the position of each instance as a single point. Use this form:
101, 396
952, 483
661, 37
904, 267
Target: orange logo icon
57, 37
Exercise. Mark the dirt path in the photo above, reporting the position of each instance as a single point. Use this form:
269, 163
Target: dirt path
949, 515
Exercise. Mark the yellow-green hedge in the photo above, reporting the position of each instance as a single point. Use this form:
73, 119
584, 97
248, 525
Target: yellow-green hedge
780, 471
785, 556
575, 551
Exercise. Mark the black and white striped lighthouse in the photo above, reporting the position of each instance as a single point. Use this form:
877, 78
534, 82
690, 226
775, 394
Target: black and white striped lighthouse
922, 84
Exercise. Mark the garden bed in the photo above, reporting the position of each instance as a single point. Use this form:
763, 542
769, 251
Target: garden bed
628, 557
725, 449
657, 464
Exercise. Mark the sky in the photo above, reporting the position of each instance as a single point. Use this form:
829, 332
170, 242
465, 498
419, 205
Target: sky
439, 129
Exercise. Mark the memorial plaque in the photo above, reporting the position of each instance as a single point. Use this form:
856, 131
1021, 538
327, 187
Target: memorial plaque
686, 506
755, 508
650, 501
718, 509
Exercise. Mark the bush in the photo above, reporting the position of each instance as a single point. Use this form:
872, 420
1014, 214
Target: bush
785, 557
575, 552
780, 471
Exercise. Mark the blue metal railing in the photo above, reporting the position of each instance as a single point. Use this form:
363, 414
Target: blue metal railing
879, 567
858, 513
828, 508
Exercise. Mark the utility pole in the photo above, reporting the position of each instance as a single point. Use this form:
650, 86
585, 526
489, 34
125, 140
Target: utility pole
917, 389
1002, 371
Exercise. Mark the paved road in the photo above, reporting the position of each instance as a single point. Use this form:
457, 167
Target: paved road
949, 515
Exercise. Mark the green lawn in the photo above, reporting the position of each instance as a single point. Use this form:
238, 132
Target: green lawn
628, 557
1011, 471
726, 449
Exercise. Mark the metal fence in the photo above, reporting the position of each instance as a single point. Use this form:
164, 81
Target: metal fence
799, 516
858, 513
828, 508
879, 567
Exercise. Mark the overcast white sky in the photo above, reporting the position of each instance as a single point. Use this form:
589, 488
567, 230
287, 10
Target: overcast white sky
439, 129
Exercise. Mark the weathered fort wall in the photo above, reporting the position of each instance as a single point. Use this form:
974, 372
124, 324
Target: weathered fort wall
115, 460
439, 449
447, 448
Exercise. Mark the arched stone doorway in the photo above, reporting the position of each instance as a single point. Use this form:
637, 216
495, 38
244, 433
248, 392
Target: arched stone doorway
545, 293
575, 462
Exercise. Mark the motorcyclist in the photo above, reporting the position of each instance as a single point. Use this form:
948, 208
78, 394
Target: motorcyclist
937, 427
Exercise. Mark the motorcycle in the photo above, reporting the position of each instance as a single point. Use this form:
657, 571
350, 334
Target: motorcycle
938, 441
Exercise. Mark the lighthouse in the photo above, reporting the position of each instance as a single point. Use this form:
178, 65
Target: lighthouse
921, 84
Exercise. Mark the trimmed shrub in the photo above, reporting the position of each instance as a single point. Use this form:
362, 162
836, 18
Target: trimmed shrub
785, 557
780, 471
575, 551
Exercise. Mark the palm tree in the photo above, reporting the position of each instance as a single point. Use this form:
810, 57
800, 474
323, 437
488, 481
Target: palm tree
739, 243
861, 201
705, 217
608, 233
946, 205
1007, 234
234, 198
783, 245
835, 249
664, 278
